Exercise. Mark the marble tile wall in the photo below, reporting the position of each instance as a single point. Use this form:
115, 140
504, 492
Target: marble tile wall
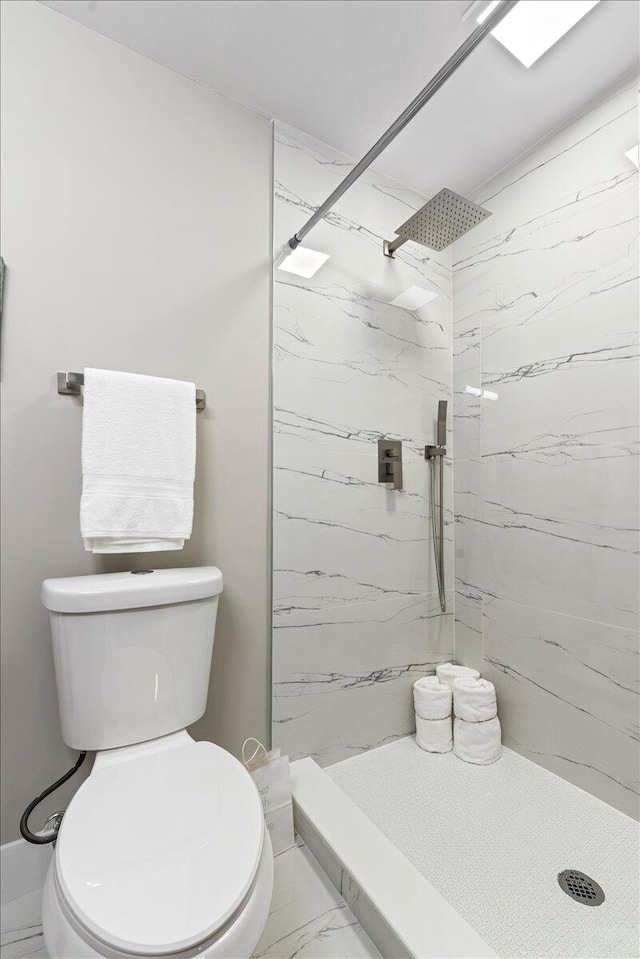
546, 314
355, 613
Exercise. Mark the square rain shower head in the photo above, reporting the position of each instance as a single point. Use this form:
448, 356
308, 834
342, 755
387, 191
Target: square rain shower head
445, 218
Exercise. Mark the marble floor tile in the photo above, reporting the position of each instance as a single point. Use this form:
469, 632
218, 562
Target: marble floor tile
21, 927
309, 919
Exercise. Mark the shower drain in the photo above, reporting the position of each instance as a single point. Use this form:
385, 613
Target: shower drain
581, 887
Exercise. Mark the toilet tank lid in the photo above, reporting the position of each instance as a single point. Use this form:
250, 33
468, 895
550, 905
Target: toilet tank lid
131, 590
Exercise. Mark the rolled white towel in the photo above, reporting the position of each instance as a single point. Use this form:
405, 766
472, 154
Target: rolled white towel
434, 735
431, 698
449, 672
474, 700
478, 743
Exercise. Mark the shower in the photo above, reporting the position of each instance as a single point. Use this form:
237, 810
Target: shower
435, 457
444, 218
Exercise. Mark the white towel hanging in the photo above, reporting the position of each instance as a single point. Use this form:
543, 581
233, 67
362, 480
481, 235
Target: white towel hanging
138, 462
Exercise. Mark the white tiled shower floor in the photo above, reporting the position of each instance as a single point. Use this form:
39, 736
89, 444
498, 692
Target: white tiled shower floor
308, 918
492, 840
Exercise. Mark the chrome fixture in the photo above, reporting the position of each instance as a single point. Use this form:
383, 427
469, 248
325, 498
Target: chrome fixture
52, 824
435, 455
445, 218
407, 115
390, 462
70, 384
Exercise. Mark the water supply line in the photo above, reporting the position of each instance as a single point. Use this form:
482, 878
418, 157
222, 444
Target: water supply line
432, 87
435, 456
56, 818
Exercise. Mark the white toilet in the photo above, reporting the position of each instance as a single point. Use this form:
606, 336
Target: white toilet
163, 850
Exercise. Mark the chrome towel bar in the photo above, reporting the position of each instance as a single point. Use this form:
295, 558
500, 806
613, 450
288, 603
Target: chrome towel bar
70, 384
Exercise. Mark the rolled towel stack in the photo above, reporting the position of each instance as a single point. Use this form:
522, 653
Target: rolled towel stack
474, 700
476, 728
432, 700
449, 672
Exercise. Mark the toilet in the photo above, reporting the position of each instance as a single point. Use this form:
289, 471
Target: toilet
163, 849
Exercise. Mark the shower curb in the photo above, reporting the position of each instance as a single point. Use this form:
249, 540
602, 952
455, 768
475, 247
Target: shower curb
401, 912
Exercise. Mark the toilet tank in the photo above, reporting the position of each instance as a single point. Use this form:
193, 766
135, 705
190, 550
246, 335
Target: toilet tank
132, 652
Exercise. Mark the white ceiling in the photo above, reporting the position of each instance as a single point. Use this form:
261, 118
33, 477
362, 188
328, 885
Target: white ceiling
342, 70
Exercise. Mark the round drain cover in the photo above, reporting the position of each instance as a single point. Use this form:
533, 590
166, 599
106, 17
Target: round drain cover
581, 887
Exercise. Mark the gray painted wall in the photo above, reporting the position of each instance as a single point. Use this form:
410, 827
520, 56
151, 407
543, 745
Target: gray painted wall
136, 233
545, 306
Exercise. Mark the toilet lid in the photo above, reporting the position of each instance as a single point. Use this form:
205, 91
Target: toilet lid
156, 853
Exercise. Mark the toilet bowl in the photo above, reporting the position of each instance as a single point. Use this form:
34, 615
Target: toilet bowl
163, 849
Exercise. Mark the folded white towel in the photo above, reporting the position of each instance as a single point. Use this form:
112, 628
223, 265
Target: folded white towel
138, 462
431, 680
477, 743
432, 700
434, 735
474, 700
448, 673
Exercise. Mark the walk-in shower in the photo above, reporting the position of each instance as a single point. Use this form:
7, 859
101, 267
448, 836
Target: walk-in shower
435, 457
492, 334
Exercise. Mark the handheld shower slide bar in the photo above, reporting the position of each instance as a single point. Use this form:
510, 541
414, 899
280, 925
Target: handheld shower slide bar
407, 115
435, 456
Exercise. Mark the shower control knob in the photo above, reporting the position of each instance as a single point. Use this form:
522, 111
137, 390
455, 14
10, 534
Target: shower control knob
390, 463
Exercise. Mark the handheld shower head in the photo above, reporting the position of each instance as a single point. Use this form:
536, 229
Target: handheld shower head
442, 423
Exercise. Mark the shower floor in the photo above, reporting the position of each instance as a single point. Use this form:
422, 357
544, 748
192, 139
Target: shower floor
492, 840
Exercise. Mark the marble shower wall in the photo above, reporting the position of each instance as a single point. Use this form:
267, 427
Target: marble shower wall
546, 300
356, 617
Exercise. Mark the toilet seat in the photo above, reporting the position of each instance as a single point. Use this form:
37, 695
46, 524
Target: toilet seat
158, 850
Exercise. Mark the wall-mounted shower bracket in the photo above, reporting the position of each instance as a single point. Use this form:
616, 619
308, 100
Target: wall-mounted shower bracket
390, 462
430, 451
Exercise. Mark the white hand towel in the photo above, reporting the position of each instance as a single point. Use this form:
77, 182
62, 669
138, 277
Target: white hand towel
138, 462
477, 743
434, 735
474, 700
432, 700
448, 673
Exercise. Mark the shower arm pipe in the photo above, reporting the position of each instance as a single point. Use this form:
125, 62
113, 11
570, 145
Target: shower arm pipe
406, 116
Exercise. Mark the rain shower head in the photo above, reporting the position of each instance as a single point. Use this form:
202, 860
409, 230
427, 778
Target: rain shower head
445, 218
